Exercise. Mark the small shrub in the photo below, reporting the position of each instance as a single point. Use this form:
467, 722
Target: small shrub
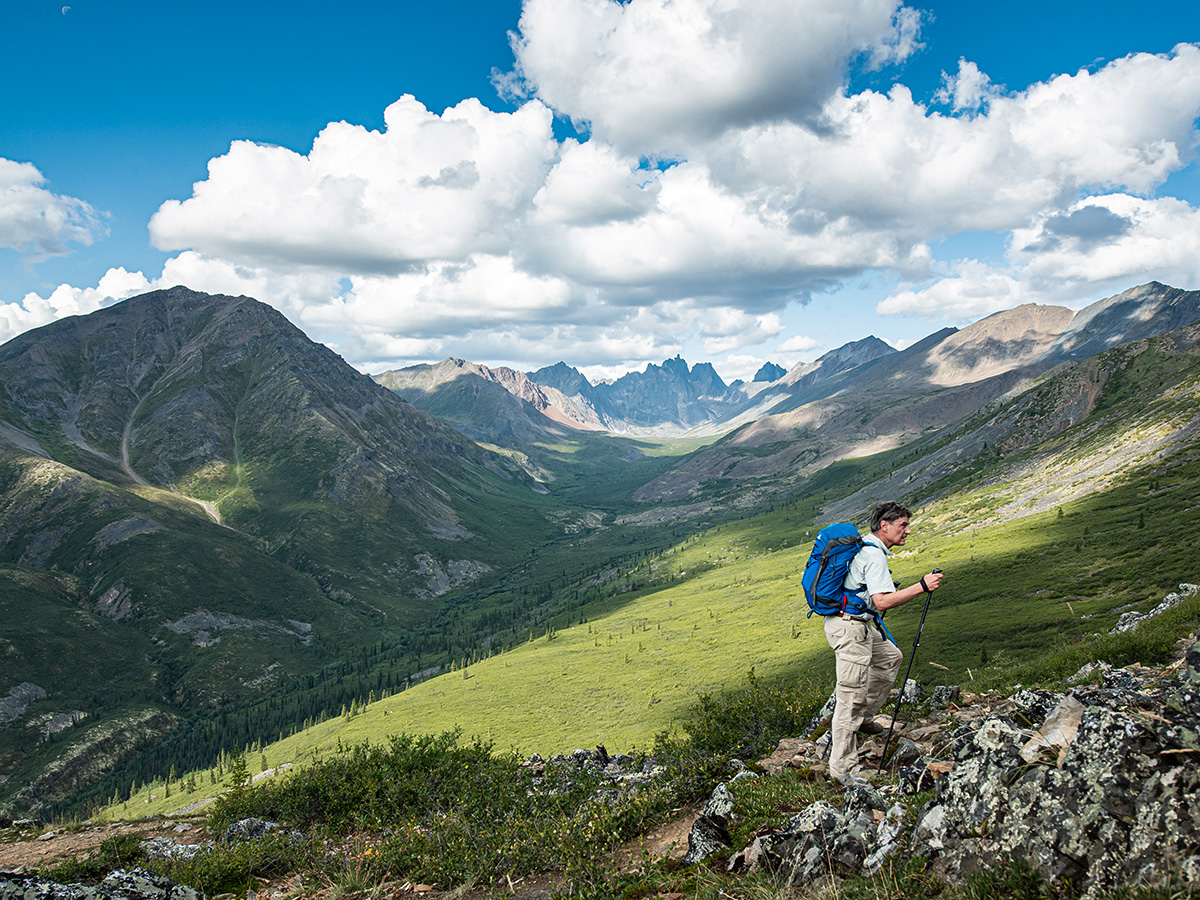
444, 813
746, 723
235, 868
117, 852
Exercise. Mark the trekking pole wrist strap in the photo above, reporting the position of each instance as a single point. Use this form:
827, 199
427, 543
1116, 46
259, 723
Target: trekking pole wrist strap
924, 586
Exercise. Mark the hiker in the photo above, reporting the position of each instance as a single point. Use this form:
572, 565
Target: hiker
867, 663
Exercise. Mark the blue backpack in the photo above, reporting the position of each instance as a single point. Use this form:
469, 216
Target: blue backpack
825, 575
825, 571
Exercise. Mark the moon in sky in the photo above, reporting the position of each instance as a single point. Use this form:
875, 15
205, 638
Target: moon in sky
66, 9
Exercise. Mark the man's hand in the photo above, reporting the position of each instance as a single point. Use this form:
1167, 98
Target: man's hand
930, 583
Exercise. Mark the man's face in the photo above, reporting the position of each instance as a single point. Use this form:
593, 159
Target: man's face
893, 534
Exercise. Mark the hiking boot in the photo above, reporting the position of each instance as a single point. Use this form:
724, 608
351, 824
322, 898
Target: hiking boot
848, 780
872, 726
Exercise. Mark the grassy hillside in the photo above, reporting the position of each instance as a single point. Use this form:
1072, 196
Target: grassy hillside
1028, 599
130, 606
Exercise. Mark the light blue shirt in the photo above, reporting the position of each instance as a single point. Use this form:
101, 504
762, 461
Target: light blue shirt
870, 568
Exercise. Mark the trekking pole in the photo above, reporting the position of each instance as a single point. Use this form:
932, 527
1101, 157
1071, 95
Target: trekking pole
904, 683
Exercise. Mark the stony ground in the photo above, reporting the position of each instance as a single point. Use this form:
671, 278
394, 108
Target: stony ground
25, 849
22, 849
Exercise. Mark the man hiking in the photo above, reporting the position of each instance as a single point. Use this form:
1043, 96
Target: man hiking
867, 663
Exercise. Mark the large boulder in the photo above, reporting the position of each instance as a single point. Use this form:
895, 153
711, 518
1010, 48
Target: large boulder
122, 884
1103, 795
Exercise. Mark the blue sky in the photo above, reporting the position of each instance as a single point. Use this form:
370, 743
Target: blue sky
733, 180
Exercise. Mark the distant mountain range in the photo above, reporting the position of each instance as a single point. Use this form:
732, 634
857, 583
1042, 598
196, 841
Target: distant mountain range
659, 401
803, 423
862, 397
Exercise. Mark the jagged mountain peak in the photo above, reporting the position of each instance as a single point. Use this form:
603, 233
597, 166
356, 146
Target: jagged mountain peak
677, 365
1144, 311
769, 372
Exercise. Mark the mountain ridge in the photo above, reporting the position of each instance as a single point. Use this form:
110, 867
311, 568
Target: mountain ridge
341, 506
895, 398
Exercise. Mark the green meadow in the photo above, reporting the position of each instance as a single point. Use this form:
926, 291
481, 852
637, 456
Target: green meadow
1028, 600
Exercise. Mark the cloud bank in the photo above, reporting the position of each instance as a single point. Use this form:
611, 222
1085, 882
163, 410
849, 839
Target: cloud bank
724, 174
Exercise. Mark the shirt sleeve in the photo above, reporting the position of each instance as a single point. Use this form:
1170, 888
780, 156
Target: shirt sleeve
876, 574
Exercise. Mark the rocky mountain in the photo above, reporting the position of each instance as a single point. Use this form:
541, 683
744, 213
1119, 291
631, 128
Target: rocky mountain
766, 398
482, 401
1075, 431
1141, 312
896, 398
769, 372
198, 504
661, 400
223, 402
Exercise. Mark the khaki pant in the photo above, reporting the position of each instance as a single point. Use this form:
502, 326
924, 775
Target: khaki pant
867, 665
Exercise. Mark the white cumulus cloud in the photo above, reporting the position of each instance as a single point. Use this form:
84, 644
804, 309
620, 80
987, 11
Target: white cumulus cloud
1112, 240
799, 343
727, 329
968, 89
428, 187
973, 289
652, 76
889, 164
34, 310
38, 223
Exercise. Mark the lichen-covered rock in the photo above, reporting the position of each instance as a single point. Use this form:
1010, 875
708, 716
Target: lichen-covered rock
916, 777
710, 832
815, 830
1132, 620
165, 848
1114, 804
905, 754
823, 841
247, 830
122, 884
719, 807
889, 838
943, 695
138, 884
19, 886
1032, 707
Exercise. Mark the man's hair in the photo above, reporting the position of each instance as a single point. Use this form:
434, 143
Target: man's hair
889, 511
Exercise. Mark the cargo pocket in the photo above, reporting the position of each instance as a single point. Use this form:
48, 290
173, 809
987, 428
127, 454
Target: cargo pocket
854, 657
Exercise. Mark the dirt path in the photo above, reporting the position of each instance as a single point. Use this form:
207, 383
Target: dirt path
21, 850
